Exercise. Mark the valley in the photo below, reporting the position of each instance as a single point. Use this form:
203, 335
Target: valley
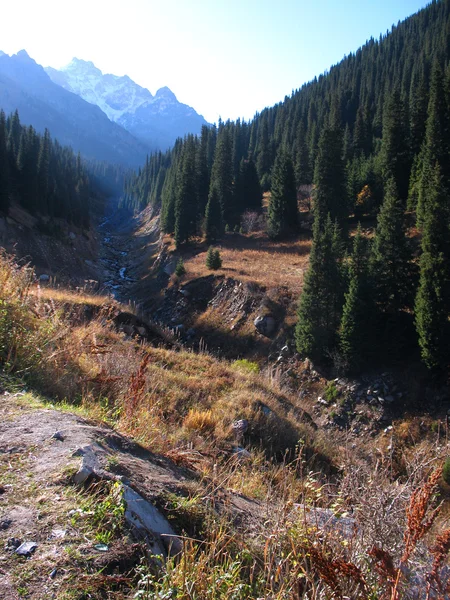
224, 358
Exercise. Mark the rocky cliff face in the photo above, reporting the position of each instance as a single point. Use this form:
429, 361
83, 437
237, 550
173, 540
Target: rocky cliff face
156, 120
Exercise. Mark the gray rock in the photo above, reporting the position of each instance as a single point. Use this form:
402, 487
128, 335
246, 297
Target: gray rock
90, 467
147, 519
58, 435
5, 524
72, 235
265, 325
12, 544
26, 549
241, 453
44, 278
240, 427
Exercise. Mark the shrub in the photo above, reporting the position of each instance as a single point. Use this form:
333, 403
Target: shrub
201, 421
331, 392
246, 365
213, 259
180, 269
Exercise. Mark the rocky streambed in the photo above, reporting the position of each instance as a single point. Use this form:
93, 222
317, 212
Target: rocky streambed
115, 262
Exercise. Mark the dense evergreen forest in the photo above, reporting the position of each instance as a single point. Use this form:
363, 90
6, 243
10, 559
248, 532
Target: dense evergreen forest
42, 176
372, 137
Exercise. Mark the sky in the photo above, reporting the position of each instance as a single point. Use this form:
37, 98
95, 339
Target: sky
225, 58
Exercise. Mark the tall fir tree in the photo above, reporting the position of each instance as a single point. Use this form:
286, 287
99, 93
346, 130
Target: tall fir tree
4, 167
214, 227
436, 145
247, 188
391, 266
432, 306
330, 196
357, 324
282, 213
222, 174
186, 198
320, 306
395, 152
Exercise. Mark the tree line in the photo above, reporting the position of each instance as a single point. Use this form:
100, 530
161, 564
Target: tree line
44, 177
373, 137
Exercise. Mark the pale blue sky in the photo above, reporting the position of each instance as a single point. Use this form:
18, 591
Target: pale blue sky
227, 58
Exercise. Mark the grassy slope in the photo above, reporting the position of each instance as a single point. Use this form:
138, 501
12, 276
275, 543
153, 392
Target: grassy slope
183, 405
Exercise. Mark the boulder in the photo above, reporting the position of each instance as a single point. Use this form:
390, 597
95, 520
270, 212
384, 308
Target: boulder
44, 278
147, 519
265, 325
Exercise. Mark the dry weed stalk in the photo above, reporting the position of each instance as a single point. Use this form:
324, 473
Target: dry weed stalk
420, 517
136, 388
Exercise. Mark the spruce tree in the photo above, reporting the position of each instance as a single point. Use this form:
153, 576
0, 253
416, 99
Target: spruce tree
247, 189
214, 227
186, 199
222, 175
395, 152
329, 176
356, 329
432, 306
391, 255
4, 166
213, 259
320, 306
282, 214
436, 144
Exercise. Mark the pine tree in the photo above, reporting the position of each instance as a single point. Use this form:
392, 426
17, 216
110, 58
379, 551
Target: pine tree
302, 165
356, 330
180, 269
43, 170
247, 189
186, 199
282, 214
213, 259
436, 144
4, 167
395, 153
222, 175
432, 306
391, 255
320, 306
329, 176
214, 227
202, 173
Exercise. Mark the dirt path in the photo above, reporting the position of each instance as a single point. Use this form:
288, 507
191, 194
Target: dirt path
41, 452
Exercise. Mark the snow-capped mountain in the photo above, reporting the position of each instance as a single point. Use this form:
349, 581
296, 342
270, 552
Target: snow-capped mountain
157, 120
25, 86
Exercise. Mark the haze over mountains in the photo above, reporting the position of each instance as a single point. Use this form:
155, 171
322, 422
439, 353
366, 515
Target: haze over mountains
156, 120
104, 117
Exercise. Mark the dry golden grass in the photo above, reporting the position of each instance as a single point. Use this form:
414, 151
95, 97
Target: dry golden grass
66, 296
254, 258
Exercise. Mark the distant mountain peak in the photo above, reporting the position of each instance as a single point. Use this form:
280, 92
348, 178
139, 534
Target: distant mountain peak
166, 93
156, 120
78, 64
24, 54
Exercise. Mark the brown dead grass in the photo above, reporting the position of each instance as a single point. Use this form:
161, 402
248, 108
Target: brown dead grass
253, 258
66, 296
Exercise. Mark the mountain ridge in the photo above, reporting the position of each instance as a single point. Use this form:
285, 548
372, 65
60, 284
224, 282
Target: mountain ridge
26, 87
154, 119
